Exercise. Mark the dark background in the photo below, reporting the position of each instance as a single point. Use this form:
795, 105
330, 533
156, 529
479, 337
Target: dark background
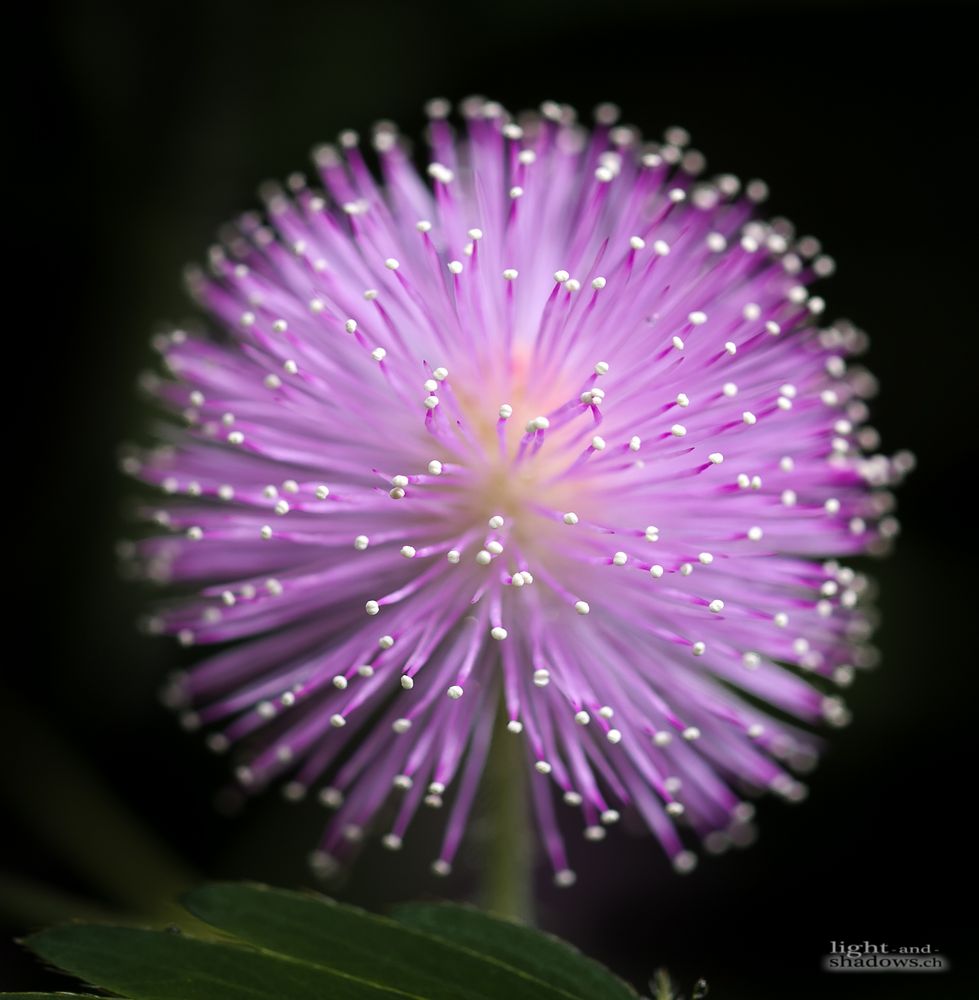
149, 125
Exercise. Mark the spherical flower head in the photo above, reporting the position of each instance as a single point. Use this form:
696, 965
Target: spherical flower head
553, 431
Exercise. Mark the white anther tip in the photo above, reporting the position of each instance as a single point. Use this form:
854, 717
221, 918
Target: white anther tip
684, 862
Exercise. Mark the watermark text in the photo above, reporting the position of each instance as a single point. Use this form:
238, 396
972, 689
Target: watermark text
870, 956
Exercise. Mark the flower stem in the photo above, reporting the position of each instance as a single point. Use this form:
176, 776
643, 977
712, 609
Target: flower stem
508, 869
83, 824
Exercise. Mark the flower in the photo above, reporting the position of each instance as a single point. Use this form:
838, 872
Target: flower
555, 435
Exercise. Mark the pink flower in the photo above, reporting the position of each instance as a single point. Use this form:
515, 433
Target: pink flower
556, 435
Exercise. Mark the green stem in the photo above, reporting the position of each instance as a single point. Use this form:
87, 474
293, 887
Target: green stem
63, 801
508, 870
27, 903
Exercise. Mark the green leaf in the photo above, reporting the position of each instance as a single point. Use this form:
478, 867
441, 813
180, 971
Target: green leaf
279, 945
541, 955
158, 965
314, 929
